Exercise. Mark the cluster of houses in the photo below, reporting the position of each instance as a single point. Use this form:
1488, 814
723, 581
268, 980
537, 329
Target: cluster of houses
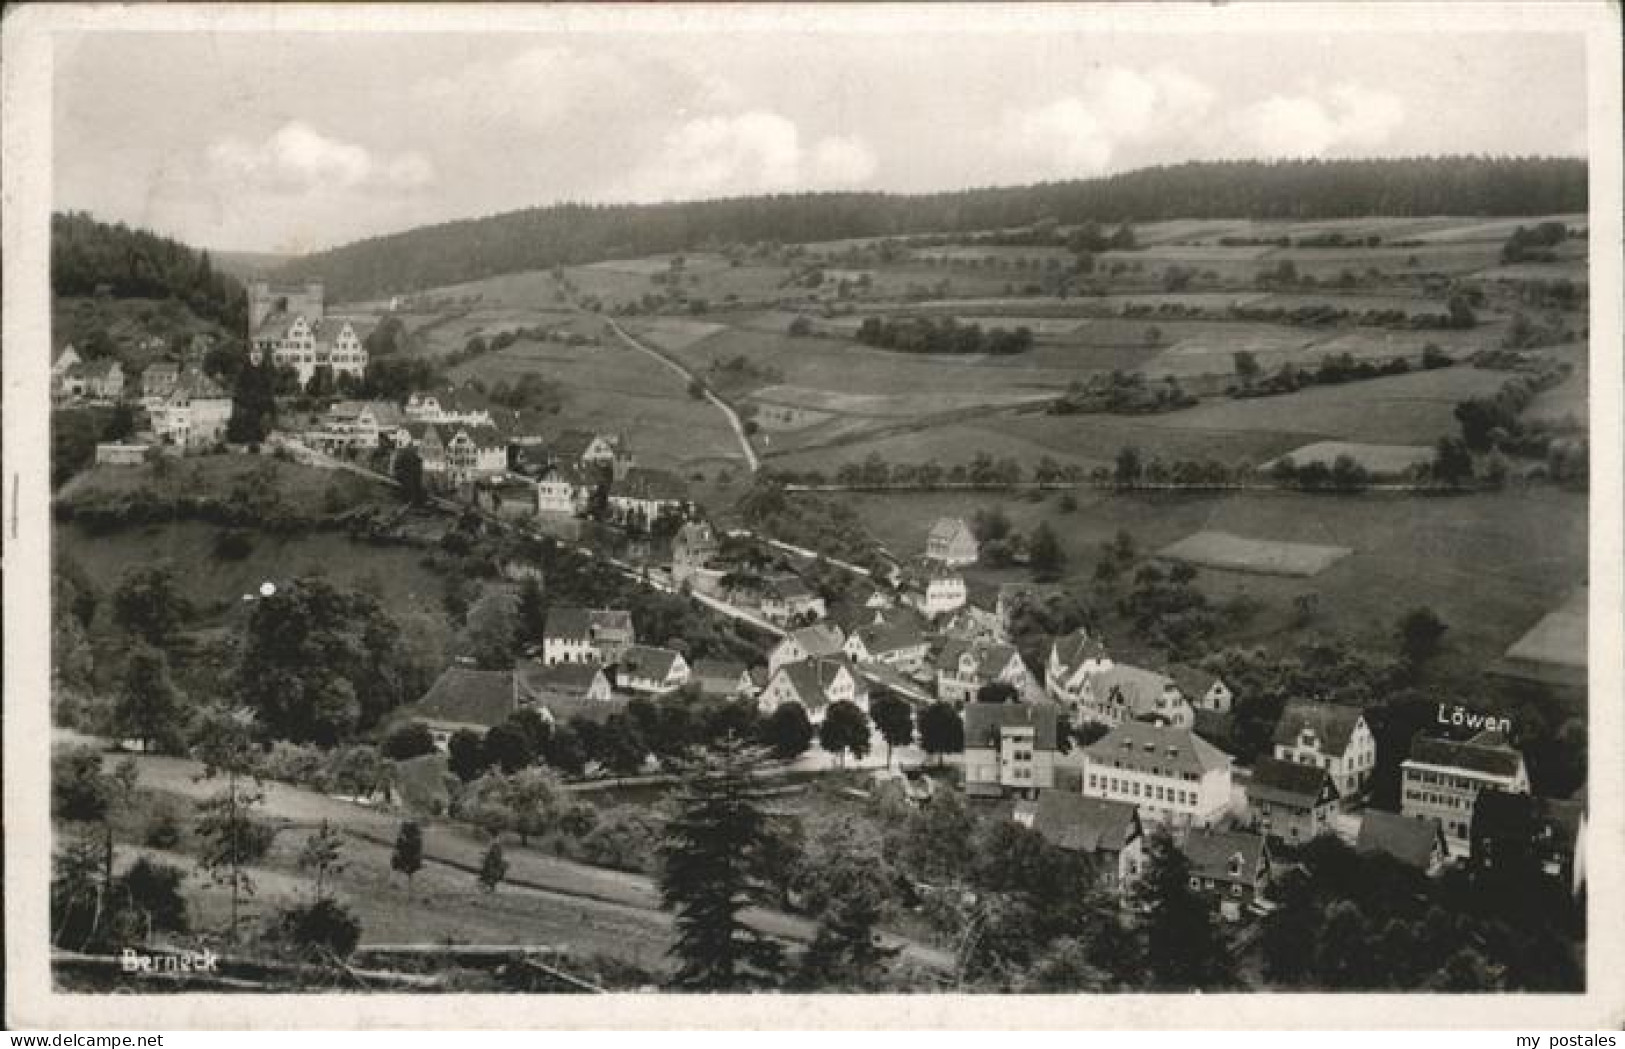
588, 662
182, 409
1147, 762
1466, 801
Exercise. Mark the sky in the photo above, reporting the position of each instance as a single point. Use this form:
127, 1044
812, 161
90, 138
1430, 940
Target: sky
296, 141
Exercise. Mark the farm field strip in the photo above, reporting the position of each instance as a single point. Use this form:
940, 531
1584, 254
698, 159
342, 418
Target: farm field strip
1240, 554
1382, 459
1558, 638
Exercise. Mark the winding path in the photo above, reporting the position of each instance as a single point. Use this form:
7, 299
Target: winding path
677, 366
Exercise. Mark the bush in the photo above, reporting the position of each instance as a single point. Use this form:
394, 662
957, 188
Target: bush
318, 929
163, 827
625, 838
411, 740
153, 890
233, 544
304, 765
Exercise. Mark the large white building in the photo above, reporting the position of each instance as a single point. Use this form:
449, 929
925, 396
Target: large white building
1442, 780
932, 588
1172, 774
288, 327
1329, 736
194, 414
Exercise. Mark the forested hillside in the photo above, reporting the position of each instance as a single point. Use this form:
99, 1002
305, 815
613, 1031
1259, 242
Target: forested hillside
90, 257
573, 233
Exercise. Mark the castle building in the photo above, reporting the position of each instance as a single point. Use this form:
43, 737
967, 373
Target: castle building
288, 326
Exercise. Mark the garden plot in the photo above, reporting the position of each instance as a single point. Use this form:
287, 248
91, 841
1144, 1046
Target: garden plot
1558, 639
889, 405
1386, 460
1236, 553
1213, 352
674, 333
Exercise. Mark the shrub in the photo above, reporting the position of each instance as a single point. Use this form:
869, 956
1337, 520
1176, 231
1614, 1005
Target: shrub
318, 929
625, 838
153, 890
233, 544
163, 827
301, 764
409, 741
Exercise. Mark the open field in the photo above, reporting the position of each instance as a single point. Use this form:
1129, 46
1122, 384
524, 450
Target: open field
1415, 408
1383, 460
1469, 558
1240, 554
547, 900
1568, 399
1559, 637
305, 490
214, 585
611, 387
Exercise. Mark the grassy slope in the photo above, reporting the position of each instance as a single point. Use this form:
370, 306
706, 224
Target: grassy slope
1468, 557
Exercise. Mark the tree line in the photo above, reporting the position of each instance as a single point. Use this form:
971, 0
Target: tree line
90, 257
571, 233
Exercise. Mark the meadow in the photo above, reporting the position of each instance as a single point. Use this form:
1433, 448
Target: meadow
1236, 553
609, 387
215, 585
1467, 557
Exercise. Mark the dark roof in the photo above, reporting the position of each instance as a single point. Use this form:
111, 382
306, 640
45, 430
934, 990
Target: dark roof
648, 661
568, 622
1288, 781
568, 679
818, 639
990, 657
718, 676
1333, 724
469, 697
570, 444
483, 436
603, 619
461, 399
889, 637
563, 707
1484, 754
786, 587
651, 485
1083, 824
1213, 726
1076, 647
1406, 838
1213, 854
921, 570
1136, 688
813, 677
984, 720
1194, 682
1143, 746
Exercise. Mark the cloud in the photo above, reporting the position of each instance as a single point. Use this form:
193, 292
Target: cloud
297, 159
842, 161
1082, 133
1349, 117
751, 152
549, 87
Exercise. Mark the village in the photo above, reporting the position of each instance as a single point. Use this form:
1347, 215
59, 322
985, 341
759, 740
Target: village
913, 679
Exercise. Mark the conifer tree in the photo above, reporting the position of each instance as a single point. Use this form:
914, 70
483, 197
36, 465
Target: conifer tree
1185, 948
720, 854
408, 856
493, 868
